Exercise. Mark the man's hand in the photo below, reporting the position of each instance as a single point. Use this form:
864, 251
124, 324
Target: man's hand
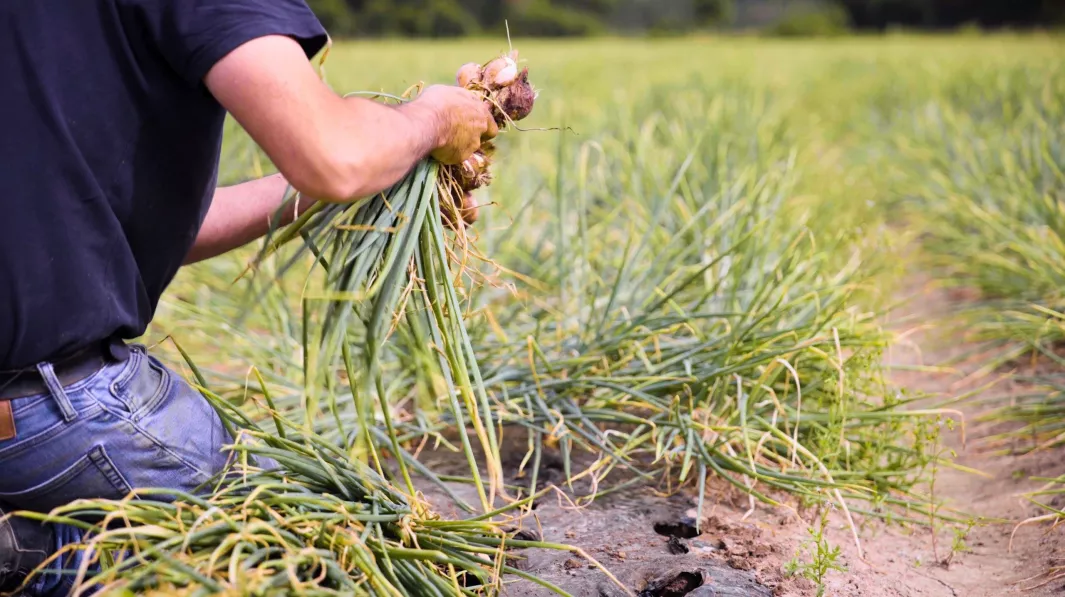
461, 119
333, 148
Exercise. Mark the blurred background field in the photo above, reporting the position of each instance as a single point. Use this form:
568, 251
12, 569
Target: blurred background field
688, 228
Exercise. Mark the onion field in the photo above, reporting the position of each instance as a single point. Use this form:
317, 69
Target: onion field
682, 282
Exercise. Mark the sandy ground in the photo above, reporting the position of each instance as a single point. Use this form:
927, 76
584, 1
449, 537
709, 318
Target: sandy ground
740, 553
903, 564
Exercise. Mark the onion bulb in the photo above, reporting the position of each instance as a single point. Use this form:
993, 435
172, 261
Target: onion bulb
468, 73
515, 101
471, 209
500, 72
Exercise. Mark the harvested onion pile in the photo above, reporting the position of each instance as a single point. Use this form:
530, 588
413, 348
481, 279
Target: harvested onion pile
511, 96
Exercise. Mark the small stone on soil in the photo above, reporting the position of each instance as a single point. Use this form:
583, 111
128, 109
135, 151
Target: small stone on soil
520, 563
739, 563
734, 547
528, 535
677, 546
704, 546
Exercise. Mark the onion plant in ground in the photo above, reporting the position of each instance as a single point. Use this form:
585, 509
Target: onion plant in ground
990, 147
979, 166
986, 179
691, 319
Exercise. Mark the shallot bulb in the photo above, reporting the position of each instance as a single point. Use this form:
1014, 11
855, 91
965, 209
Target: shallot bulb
468, 73
500, 72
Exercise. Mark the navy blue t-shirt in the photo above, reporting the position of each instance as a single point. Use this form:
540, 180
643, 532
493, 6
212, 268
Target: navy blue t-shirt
109, 149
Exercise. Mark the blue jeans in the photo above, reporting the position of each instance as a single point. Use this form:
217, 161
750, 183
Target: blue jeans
132, 424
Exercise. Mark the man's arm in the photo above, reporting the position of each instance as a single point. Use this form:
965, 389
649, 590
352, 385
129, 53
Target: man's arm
242, 213
334, 148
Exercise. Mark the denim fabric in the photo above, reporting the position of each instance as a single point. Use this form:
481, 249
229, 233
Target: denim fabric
133, 424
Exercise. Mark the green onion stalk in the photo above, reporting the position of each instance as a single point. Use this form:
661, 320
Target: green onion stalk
386, 262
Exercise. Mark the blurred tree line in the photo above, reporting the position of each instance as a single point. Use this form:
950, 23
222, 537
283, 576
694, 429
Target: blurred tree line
530, 18
446, 18
939, 14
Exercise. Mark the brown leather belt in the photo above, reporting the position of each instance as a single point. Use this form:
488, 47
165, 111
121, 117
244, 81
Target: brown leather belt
70, 369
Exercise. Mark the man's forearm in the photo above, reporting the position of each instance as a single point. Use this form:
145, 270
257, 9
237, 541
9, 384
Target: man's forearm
328, 147
241, 213
334, 148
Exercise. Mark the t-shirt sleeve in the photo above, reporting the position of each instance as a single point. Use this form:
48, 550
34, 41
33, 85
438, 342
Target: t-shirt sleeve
195, 34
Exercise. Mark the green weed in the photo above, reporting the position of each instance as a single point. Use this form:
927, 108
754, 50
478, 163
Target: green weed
816, 557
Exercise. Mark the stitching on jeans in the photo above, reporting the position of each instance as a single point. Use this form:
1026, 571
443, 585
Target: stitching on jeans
156, 400
124, 416
99, 457
162, 446
49, 433
17, 407
119, 388
55, 388
57, 481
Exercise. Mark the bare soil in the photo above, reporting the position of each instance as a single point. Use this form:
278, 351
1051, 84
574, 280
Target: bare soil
741, 548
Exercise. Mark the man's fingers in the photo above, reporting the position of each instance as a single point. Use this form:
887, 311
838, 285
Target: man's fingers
493, 129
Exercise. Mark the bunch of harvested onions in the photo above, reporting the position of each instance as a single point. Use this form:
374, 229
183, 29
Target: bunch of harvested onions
387, 263
511, 97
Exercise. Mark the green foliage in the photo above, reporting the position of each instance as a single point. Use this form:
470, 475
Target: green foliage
959, 542
941, 14
824, 21
542, 18
816, 557
979, 167
415, 18
336, 15
713, 12
319, 523
529, 18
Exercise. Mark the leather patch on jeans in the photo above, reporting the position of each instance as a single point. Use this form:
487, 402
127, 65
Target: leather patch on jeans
7, 421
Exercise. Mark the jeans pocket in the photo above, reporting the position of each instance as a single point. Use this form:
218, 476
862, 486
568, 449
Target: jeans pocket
187, 425
91, 476
143, 386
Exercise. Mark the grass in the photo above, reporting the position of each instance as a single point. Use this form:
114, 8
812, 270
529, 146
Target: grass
679, 279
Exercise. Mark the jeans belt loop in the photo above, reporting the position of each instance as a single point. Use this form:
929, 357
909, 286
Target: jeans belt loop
56, 389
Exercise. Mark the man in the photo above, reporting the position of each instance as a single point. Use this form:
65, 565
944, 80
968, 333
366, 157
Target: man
111, 116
